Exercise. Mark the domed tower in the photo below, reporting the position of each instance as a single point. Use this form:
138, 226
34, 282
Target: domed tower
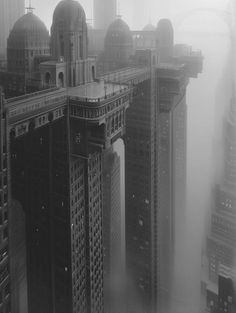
69, 38
118, 46
69, 42
165, 37
28, 39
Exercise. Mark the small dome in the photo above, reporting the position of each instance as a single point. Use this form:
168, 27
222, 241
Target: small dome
149, 27
69, 13
29, 22
119, 33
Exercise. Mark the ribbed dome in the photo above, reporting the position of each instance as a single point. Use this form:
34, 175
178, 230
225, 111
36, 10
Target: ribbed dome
28, 31
149, 27
119, 33
29, 22
69, 12
28, 38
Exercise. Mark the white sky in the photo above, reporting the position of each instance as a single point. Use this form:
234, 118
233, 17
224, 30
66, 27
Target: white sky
137, 13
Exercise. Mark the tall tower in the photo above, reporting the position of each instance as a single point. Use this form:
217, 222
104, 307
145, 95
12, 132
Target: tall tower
104, 12
69, 40
221, 240
10, 11
155, 147
57, 176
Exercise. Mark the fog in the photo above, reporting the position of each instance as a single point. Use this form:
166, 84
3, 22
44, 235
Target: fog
137, 13
207, 98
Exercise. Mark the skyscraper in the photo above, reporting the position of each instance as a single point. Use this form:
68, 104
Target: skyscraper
57, 138
104, 13
10, 11
155, 148
220, 250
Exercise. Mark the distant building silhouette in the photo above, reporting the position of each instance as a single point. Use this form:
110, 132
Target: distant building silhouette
220, 249
10, 11
104, 13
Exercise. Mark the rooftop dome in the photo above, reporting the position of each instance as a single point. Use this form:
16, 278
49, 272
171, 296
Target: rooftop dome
165, 28
28, 30
149, 27
30, 36
119, 33
69, 13
29, 22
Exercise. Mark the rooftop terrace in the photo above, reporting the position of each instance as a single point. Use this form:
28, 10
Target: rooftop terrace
96, 91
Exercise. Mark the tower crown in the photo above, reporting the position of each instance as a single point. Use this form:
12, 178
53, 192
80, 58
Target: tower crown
69, 38
69, 14
29, 23
119, 33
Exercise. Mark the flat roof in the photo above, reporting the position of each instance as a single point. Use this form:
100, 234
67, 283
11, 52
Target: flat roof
126, 74
96, 90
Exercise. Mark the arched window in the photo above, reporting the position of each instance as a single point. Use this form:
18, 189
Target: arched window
61, 79
48, 78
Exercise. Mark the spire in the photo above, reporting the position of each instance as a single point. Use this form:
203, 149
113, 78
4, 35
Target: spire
30, 9
118, 15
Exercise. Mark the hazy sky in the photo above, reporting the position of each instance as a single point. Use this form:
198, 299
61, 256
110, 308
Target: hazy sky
137, 13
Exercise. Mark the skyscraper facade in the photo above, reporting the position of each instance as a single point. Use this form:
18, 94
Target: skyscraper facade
155, 160
111, 230
56, 144
220, 250
10, 11
4, 202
